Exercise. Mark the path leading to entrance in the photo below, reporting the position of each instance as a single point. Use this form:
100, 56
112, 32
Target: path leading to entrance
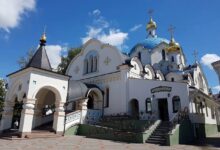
82, 143
212, 141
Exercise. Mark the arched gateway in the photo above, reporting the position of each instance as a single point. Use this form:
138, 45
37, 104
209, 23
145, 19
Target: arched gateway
47, 100
42, 92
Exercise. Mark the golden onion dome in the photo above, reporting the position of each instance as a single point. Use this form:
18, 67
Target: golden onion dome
43, 37
151, 24
173, 46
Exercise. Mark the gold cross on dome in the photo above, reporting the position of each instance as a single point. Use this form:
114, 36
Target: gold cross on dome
195, 54
45, 28
171, 30
150, 12
107, 60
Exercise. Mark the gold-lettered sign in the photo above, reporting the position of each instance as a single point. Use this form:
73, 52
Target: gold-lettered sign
161, 89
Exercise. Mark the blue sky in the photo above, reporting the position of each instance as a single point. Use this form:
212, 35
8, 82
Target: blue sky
122, 22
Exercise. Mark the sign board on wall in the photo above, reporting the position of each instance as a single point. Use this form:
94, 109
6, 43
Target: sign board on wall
161, 89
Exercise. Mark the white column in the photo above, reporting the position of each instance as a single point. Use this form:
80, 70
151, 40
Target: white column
59, 116
27, 117
7, 116
83, 106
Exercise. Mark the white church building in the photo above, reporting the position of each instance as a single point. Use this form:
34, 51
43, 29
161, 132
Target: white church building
152, 82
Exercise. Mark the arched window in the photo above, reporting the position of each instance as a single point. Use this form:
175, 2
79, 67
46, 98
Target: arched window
139, 55
85, 66
90, 103
107, 97
172, 58
176, 104
94, 64
163, 55
91, 62
148, 105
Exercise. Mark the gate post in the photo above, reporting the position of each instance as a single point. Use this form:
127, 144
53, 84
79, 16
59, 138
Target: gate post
27, 117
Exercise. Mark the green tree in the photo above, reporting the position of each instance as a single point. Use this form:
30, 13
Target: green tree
2, 95
65, 60
24, 60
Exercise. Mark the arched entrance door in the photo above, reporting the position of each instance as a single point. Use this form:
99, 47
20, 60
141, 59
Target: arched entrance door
94, 106
134, 106
95, 99
44, 110
16, 114
90, 103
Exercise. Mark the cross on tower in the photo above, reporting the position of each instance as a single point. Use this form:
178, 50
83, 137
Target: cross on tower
171, 30
195, 54
45, 28
150, 12
107, 60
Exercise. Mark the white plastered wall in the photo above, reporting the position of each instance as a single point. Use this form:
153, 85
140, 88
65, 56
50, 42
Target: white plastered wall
141, 90
107, 75
196, 73
108, 59
31, 81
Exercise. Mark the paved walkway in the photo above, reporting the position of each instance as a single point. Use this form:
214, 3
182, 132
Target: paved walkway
83, 143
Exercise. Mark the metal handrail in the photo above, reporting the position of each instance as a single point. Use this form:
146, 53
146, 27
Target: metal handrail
178, 118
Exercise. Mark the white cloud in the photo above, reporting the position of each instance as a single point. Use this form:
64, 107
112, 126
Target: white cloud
113, 36
95, 12
54, 53
208, 59
216, 89
11, 12
136, 27
98, 20
101, 30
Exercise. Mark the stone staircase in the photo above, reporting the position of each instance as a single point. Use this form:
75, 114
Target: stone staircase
10, 134
43, 131
160, 133
42, 134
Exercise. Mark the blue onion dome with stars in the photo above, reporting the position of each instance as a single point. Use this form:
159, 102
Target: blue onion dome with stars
152, 40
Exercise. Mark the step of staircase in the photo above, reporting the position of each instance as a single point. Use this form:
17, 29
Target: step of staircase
156, 142
10, 135
159, 134
43, 131
43, 134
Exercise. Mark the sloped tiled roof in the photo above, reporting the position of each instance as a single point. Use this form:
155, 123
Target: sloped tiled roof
40, 59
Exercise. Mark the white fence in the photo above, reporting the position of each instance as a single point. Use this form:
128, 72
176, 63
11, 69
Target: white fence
89, 116
72, 119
